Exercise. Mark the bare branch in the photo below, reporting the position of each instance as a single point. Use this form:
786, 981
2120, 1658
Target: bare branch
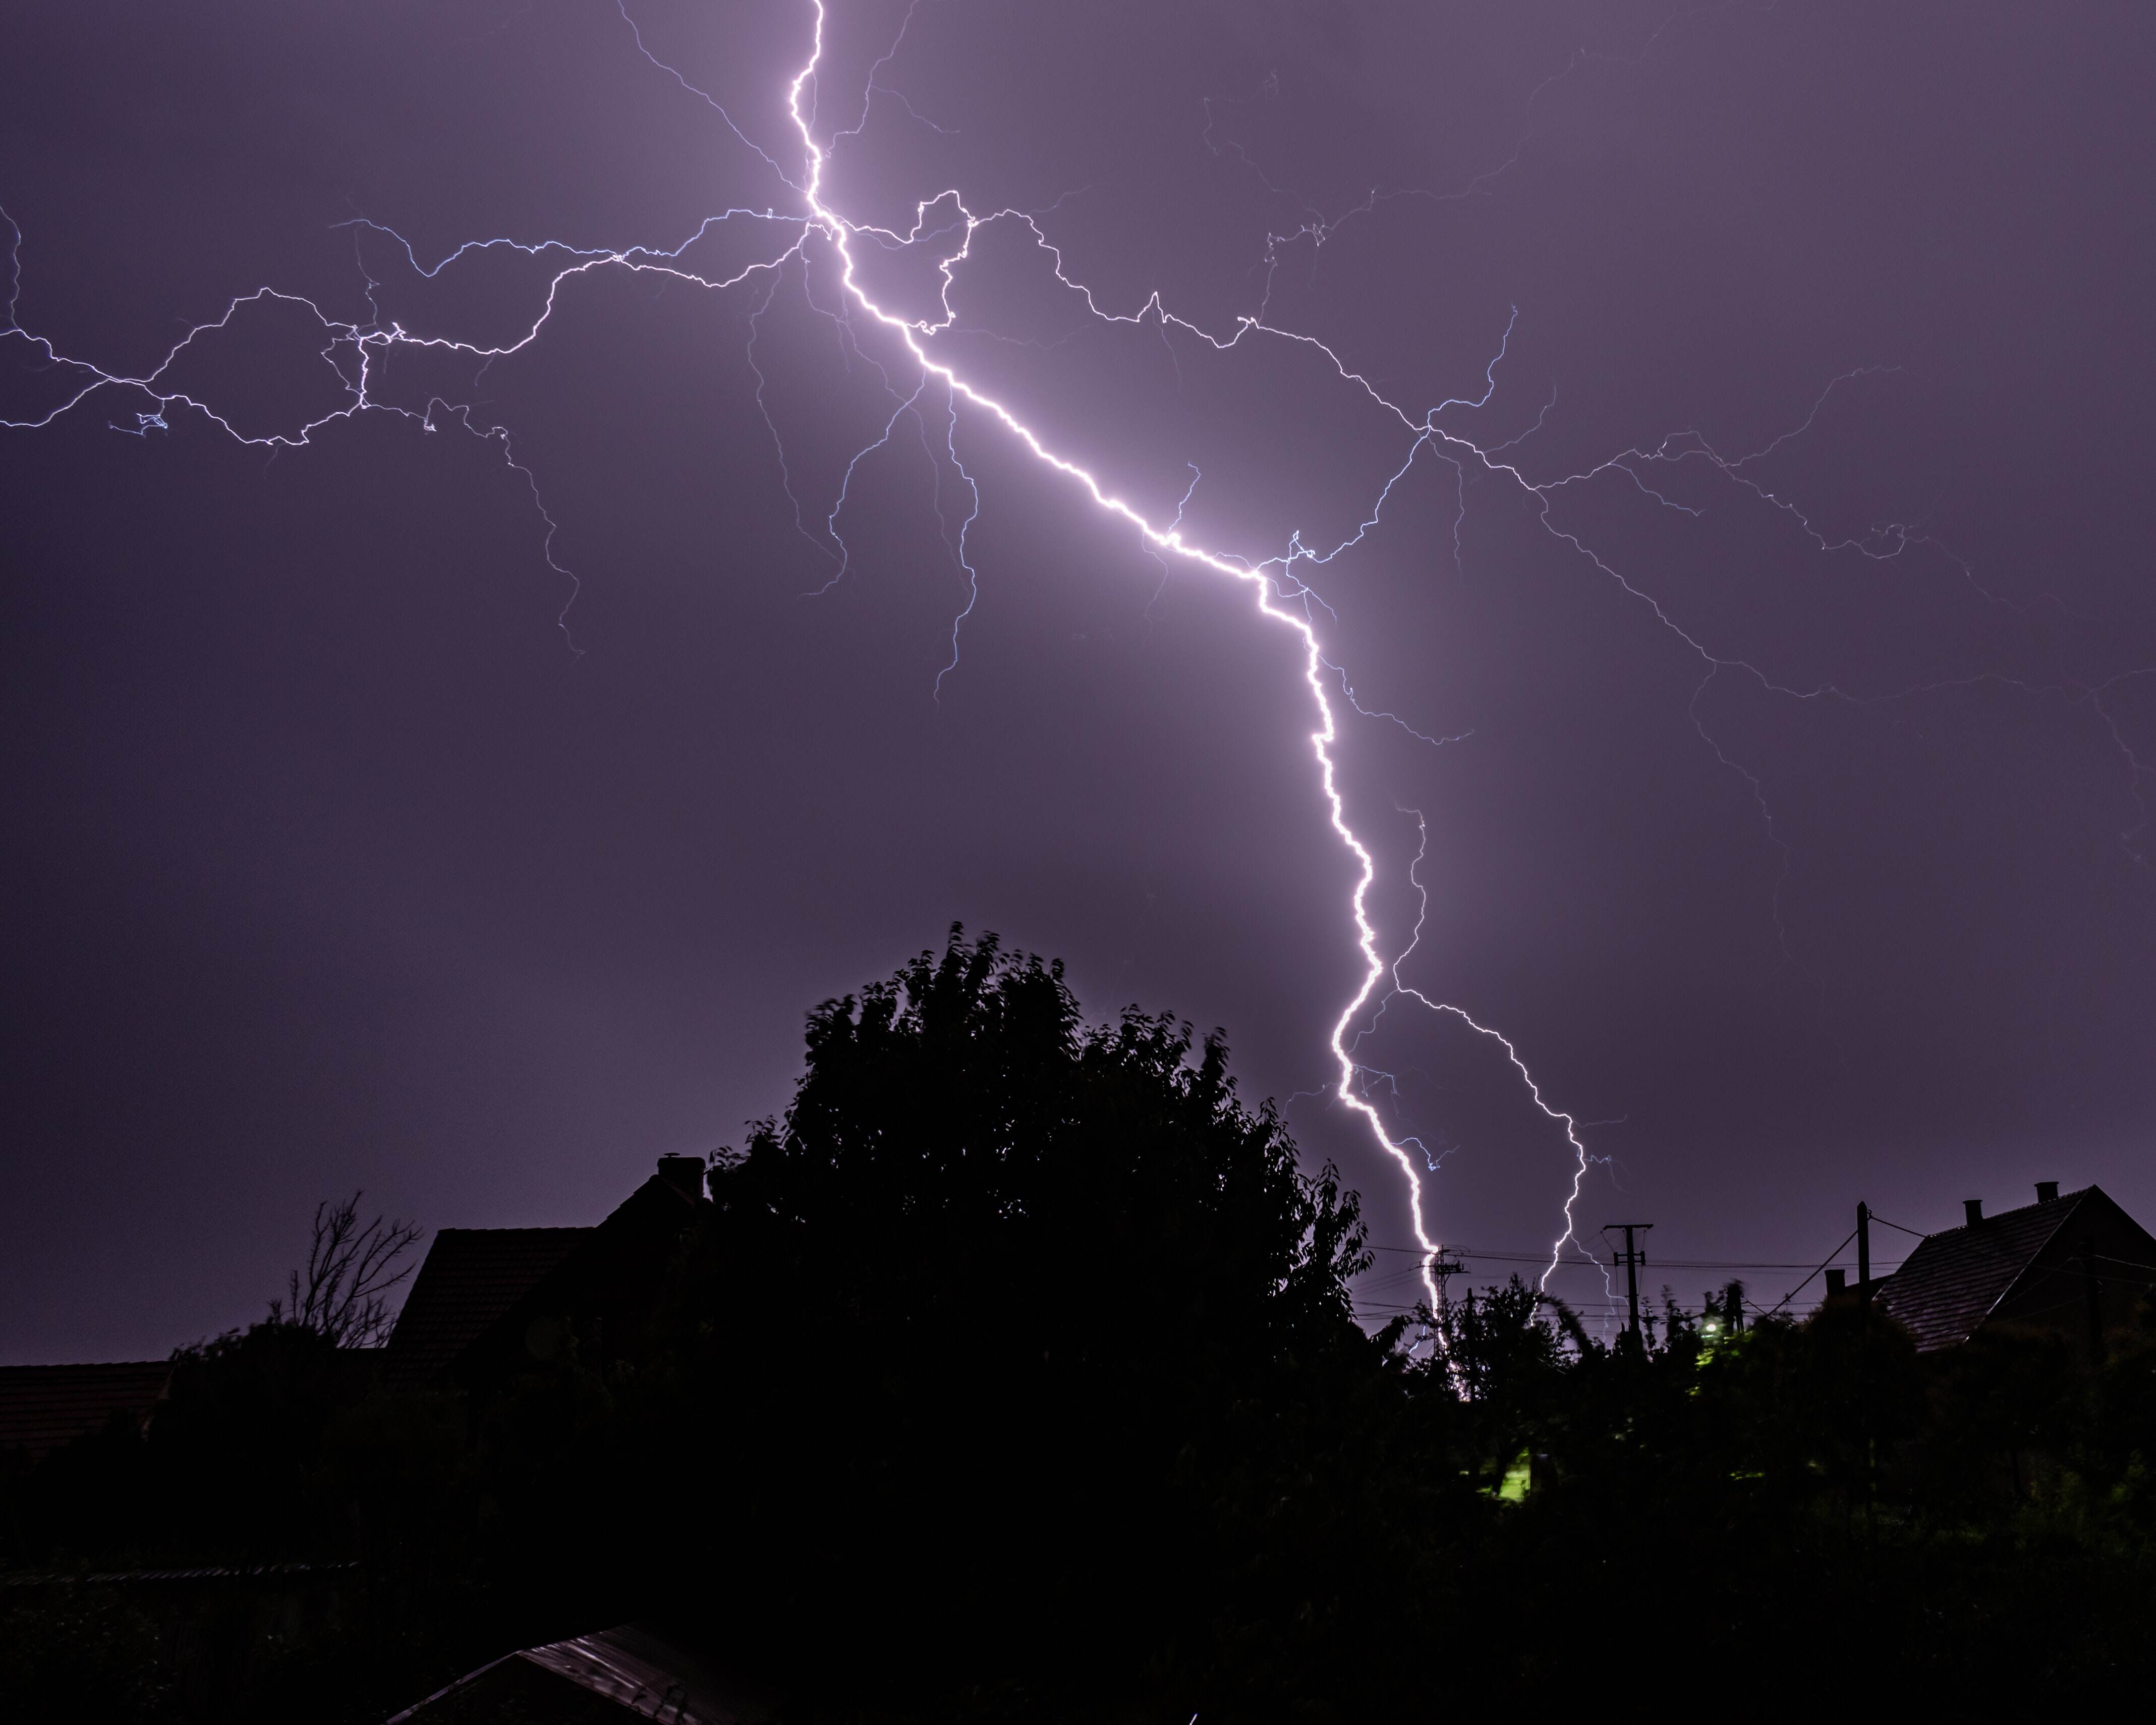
343, 1293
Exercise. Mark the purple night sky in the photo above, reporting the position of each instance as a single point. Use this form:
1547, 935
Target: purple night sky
1790, 817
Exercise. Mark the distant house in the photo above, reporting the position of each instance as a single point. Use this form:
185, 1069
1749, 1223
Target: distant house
489, 1301
2075, 1264
43, 1407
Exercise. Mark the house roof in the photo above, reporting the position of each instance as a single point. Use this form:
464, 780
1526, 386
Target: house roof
1953, 1280
590, 1679
476, 1279
42, 1407
471, 1276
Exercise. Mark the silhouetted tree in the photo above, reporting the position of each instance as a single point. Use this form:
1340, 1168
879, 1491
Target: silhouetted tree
342, 1295
1485, 1345
1013, 1373
1004, 1321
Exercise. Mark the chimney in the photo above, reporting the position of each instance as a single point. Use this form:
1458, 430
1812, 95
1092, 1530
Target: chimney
2047, 1191
685, 1174
1837, 1283
1974, 1207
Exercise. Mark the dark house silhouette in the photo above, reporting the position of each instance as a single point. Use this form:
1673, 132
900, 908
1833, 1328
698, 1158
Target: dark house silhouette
2075, 1264
43, 1407
489, 1301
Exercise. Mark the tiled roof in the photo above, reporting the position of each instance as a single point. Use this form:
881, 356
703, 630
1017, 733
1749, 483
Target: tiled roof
42, 1407
593, 1678
1947, 1287
470, 1277
633, 1667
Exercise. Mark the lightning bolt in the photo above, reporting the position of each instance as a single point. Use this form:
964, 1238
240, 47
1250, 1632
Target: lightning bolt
816, 232
1401, 990
1169, 540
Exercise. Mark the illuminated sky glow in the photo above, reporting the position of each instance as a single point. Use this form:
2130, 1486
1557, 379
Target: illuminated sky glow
901, 301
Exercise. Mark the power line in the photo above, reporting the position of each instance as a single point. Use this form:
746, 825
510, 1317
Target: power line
1806, 1282
1544, 1257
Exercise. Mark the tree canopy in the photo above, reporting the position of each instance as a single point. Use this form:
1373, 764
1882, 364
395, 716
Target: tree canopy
987, 1317
1013, 1373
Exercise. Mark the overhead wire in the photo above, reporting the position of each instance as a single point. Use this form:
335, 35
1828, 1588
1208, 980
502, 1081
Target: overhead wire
1542, 1257
1468, 1255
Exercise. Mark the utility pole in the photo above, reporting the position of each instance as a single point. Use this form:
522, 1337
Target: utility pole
1631, 1258
1863, 1253
1442, 1265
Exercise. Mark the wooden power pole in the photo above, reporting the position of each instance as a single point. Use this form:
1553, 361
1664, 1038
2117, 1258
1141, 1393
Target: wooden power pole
1631, 1258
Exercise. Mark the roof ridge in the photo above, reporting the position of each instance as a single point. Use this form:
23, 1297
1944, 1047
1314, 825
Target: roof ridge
547, 1228
2065, 1199
2068, 1202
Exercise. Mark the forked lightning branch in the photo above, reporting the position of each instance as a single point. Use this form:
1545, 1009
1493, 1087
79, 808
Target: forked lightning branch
808, 231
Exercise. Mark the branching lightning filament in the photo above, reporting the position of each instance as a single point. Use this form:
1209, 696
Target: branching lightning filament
811, 235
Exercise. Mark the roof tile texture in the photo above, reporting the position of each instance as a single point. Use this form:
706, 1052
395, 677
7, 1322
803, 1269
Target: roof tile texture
42, 1407
1947, 1286
470, 1277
